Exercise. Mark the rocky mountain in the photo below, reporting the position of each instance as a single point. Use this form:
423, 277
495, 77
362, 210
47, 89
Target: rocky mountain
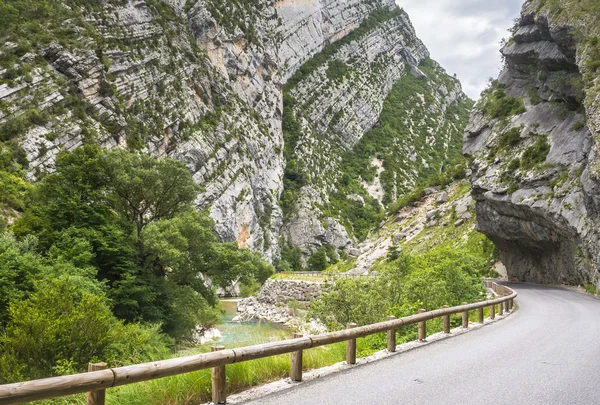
533, 144
287, 112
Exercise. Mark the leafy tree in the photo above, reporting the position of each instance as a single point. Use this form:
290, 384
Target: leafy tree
60, 328
318, 260
19, 267
144, 189
184, 252
123, 224
291, 258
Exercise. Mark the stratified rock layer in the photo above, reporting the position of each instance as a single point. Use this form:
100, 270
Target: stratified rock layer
533, 172
201, 81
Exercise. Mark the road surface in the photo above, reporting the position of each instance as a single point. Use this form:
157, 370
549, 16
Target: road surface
547, 352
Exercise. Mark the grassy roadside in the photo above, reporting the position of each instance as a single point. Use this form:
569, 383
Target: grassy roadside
194, 388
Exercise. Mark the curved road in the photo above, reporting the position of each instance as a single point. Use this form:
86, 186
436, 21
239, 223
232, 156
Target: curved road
547, 352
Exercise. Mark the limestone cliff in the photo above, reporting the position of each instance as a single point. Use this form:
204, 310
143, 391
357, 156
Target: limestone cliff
202, 81
533, 144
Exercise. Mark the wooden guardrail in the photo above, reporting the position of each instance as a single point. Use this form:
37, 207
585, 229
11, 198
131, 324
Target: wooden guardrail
98, 379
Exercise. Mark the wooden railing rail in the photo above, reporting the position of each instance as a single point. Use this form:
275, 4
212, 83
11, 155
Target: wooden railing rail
100, 380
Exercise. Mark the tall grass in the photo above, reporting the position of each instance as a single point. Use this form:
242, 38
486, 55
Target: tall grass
194, 388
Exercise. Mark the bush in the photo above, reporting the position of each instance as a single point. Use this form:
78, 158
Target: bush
511, 138
535, 154
249, 289
534, 96
579, 125
513, 165
499, 105
59, 329
337, 70
318, 260
443, 276
13, 191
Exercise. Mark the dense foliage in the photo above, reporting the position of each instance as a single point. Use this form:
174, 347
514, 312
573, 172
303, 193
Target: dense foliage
439, 277
108, 260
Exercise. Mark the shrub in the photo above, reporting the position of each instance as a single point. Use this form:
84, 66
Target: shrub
13, 191
535, 154
337, 70
59, 329
534, 96
511, 137
499, 105
579, 125
513, 165
318, 260
443, 276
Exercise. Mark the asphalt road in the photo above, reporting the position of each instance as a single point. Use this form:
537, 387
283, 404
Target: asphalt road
547, 352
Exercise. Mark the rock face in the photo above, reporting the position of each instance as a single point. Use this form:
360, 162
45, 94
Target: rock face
271, 304
534, 159
338, 101
422, 226
201, 81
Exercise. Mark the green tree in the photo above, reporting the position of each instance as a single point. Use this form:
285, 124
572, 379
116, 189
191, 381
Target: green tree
143, 189
60, 328
318, 260
20, 265
291, 258
123, 224
183, 252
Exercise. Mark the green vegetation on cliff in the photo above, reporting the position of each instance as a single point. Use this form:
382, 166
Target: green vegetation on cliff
582, 18
414, 147
393, 142
498, 105
391, 135
374, 20
295, 175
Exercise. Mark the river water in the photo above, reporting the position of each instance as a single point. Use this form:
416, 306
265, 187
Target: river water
236, 334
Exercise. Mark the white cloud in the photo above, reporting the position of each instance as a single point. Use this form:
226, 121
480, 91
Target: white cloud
464, 36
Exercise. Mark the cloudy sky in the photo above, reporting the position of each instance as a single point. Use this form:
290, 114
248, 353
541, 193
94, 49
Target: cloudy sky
464, 35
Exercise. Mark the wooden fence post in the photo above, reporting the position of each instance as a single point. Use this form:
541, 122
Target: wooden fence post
422, 327
465, 318
219, 380
492, 312
351, 347
480, 315
446, 321
391, 337
506, 306
96, 397
501, 308
296, 364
